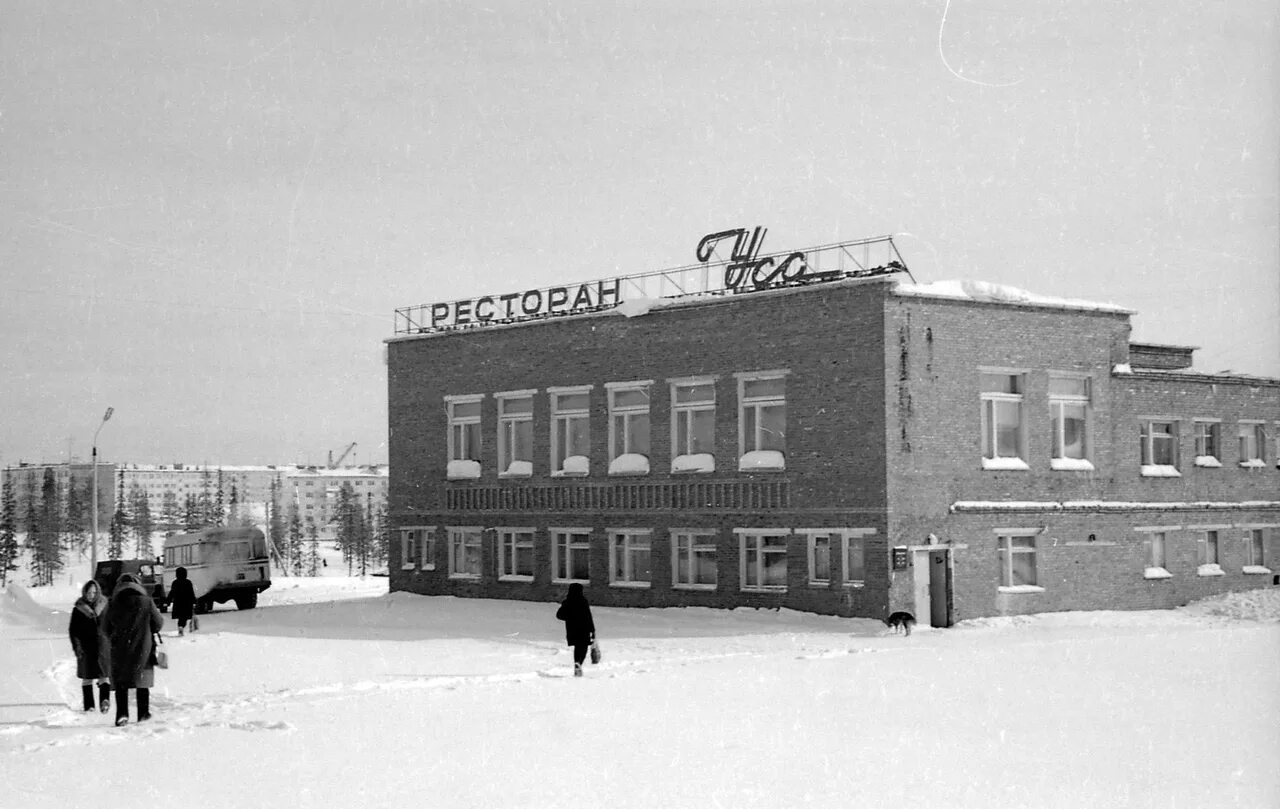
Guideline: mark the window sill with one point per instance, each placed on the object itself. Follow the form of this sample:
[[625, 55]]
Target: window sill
[[1159, 471], [631, 585], [1070, 465], [854, 585], [613, 474], [509, 475], [465, 576], [560, 473], [1210, 570], [823, 583], [409, 567], [1257, 570], [524, 579], [1021, 588], [705, 587], [1253, 463], [1156, 573], [1208, 462], [571, 581], [780, 588], [1005, 465]]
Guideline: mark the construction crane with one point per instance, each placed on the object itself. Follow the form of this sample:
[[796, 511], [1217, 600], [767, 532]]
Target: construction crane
[[334, 464]]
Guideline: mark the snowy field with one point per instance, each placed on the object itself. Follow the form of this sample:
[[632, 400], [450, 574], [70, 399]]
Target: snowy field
[[335, 694]]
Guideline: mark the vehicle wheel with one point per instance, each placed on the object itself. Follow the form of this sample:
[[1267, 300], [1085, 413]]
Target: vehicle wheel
[[247, 602]]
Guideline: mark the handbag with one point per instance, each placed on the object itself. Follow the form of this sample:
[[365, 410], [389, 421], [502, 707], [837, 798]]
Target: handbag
[[595, 652], [159, 657]]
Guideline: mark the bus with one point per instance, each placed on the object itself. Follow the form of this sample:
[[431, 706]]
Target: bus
[[223, 564]]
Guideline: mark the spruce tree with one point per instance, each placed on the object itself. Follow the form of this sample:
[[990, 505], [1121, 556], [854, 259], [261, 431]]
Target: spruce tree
[[143, 522], [48, 536], [119, 530], [77, 523], [276, 526], [191, 513], [313, 548], [219, 503], [8, 531], [295, 549], [233, 506], [206, 499], [34, 556]]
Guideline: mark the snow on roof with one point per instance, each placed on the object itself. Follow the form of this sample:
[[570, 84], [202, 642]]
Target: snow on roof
[[986, 292]]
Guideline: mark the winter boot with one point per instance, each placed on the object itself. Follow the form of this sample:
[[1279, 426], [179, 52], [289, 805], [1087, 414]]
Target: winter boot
[[87, 690], [182, 630], [144, 704], [122, 706], [577, 669], [104, 697]]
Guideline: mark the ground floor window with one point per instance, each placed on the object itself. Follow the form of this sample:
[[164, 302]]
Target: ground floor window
[[629, 557], [693, 559], [1017, 553], [464, 553], [763, 559], [1254, 551], [570, 549], [417, 547], [1157, 554], [515, 554]]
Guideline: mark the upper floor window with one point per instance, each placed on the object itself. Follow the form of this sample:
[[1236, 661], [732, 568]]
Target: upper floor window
[[1252, 439], [570, 431], [693, 425], [1002, 422], [1208, 443], [628, 428], [629, 558], [1069, 410], [515, 554], [693, 559], [464, 436], [1159, 450], [762, 420], [515, 433], [464, 552]]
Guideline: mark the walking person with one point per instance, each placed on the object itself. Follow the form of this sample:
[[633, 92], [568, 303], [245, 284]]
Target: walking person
[[93, 658], [182, 601], [130, 621], [579, 629]]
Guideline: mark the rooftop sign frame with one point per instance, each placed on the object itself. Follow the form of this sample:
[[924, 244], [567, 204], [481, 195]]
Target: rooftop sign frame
[[745, 270]]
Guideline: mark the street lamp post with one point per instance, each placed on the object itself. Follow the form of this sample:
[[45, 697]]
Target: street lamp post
[[93, 546]]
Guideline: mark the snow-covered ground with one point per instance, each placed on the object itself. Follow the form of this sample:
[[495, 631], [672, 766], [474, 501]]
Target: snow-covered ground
[[335, 694]]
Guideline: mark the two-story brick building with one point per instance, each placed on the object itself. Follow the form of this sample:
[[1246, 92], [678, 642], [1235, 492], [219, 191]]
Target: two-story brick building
[[839, 440]]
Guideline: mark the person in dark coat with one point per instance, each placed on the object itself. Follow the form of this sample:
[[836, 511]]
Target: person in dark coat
[[579, 629], [182, 601], [93, 658], [130, 622]]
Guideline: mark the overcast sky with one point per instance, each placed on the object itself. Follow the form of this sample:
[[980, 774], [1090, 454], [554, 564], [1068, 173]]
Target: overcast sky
[[209, 212]]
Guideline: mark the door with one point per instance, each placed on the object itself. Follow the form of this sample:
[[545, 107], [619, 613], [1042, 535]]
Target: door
[[939, 588]]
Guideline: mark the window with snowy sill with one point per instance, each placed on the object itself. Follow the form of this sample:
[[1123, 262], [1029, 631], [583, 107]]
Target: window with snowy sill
[[1070, 464], [463, 470], [630, 463], [762, 460], [1159, 471], [1005, 464], [575, 466], [697, 462]]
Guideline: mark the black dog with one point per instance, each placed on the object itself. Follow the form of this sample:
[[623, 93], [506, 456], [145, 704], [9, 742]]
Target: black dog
[[901, 620]]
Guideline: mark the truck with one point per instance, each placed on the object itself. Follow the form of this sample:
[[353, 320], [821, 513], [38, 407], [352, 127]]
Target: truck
[[148, 572], [223, 563]]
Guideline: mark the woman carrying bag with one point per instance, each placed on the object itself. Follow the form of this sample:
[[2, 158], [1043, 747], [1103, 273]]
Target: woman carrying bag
[[579, 628], [131, 622]]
